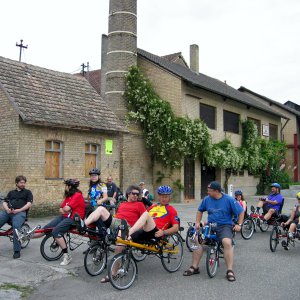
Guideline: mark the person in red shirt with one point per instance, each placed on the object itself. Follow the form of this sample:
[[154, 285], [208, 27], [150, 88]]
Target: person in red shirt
[[160, 219], [71, 205], [129, 211]]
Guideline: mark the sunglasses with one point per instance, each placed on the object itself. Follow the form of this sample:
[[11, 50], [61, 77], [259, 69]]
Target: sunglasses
[[135, 194]]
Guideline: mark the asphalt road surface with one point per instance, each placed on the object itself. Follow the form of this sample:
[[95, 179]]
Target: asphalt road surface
[[259, 273]]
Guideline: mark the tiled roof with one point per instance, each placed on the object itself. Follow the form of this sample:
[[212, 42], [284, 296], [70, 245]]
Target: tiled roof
[[176, 58], [208, 83], [51, 98], [270, 101], [94, 78]]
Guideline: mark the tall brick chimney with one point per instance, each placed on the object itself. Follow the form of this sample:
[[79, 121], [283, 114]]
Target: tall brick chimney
[[194, 58], [121, 51]]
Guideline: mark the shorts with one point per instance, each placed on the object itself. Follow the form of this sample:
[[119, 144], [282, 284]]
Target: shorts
[[224, 231], [144, 236], [266, 208]]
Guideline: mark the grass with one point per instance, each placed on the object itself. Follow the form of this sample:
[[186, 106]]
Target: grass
[[24, 290]]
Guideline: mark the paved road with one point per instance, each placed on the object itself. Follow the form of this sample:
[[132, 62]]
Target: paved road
[[259, 272]]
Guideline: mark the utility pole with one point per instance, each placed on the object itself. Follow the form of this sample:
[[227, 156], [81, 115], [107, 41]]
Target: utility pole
[[83, 68], [21, 47]]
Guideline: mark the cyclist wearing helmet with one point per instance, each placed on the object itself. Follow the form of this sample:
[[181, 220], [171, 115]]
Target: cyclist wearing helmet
[[97, 193], [71, 205], [294, 220], [240, 199], [272, 204], [220, 208], [160, 219]]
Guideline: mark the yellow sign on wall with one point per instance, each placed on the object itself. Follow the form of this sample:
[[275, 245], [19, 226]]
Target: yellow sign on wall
[[108, 147]]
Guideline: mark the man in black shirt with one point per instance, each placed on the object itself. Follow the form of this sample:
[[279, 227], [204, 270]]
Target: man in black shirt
[[112, 188], [16, 205]]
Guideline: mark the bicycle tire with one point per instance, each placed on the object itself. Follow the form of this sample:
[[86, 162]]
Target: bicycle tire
[[125, 271], [274, 240], [212, 260], [50, 249], [247, 229], [95, 260], [263, 226], [138, 255], [172, 254], [188, 239], [24, 229]]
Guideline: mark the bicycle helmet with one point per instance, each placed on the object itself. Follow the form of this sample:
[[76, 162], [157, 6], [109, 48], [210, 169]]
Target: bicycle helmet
[[298, 196], [72, 182], [94, 171], [238, 192], [164, 190], [275, 184]]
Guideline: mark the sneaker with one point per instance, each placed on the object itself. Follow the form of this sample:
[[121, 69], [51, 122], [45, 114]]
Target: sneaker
[[291, 235], [66, 259], [81, 227], [17, 254]]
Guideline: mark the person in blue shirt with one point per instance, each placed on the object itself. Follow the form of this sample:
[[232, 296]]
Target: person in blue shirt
[[272, 204], [220, 208]]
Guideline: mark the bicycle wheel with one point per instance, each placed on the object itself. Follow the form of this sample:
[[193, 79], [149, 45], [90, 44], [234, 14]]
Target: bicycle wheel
[[247, 229], [172, 253], [188, 239], [274, 239], [95, 260], [24, 229], [263, 226], [50, 249], [138, 255], [122, 271], [212, 260]]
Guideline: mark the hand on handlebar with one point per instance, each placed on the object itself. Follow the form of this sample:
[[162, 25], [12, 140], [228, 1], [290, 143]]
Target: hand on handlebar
[[237, 227]]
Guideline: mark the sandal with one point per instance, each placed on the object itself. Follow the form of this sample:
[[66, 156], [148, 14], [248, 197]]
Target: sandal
[[230, 275], [191, 271], [105, 279]]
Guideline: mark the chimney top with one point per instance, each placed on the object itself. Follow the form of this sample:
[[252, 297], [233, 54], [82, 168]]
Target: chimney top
[[194, 58]]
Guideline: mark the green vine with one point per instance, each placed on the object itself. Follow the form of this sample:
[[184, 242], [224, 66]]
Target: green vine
[[173, 138]]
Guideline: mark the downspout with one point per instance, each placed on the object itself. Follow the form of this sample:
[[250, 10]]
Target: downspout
[[281, 130]]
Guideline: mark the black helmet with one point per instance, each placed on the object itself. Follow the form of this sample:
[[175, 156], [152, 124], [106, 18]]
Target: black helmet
[[94, 171], [72, 182]]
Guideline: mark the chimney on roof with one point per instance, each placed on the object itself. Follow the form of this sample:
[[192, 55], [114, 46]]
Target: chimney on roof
[[194, 58]]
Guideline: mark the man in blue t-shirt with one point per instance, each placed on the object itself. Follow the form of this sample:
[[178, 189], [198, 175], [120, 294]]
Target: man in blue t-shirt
[[220, 208], [272, 204]]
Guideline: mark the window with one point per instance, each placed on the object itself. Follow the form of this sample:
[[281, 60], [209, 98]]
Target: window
[[208, 115], [258, 125], [273, 131], [231, 121], [91, 157], [53, 159]]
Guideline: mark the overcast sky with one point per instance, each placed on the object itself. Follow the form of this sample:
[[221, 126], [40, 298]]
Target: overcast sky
[[251, 43]]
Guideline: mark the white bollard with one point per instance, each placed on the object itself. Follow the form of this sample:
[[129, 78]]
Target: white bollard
[[230, 190]]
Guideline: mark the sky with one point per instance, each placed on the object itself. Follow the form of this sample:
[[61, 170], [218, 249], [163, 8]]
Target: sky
[[250, 43]]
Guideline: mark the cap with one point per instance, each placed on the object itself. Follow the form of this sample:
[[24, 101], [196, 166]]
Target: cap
[[142, 183], [214, 185]]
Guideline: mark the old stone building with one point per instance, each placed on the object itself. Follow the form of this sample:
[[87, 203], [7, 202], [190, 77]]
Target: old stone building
[[53, 126], [189, 92]]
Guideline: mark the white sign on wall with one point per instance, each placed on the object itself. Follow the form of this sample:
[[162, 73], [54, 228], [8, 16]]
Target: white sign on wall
[[265, 130]]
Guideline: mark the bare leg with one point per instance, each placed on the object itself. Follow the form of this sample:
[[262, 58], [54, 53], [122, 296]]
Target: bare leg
[[260, 204], [145, 221], [61, 242], [100, 213], [292, 227], [269, 214], [228, 252], [37, 235]]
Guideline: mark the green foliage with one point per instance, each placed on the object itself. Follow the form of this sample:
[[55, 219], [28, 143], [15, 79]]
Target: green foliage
[[173, 138]]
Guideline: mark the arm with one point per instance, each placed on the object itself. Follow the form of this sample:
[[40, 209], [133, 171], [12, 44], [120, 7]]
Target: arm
[[103, 199], [237, 227], [5, 206], [271, 202], [65, 210], [198, 219], [24, 208]]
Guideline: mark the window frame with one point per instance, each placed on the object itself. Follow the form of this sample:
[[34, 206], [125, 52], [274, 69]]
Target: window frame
[[238, 121], [60, 151], [215, 113], [90, 152]]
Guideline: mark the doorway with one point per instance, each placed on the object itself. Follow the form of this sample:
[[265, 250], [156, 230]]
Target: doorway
[[208, 174]]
